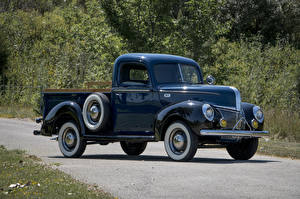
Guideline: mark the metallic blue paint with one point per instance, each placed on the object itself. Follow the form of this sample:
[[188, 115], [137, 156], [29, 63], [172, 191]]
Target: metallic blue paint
[[134, 111], [214, 95]]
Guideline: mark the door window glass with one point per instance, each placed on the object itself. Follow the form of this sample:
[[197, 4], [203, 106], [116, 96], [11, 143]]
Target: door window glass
[[134, 74]]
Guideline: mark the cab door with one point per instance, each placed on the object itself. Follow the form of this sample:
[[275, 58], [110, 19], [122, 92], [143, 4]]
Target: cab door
[[135, 102]]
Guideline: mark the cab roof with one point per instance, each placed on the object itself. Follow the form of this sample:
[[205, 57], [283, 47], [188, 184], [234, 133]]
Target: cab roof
[[154, 58]]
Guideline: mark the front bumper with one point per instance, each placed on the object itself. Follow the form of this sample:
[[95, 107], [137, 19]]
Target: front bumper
[[237, 133]]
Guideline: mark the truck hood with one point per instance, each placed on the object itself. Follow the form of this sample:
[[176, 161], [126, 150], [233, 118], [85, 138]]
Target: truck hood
[[219, 96]]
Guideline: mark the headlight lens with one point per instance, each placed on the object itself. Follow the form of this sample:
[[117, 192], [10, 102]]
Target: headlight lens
[[208, 112], [258, 114]]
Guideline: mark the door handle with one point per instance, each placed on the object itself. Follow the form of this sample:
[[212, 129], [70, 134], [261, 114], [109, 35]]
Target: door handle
[[119, 96]]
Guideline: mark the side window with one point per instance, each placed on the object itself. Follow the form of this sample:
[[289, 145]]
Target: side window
[[133, 74]]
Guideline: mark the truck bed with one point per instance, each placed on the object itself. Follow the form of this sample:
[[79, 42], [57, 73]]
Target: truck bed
[[52, 97]]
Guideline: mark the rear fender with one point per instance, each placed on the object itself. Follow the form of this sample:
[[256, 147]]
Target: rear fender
[[68, 107]]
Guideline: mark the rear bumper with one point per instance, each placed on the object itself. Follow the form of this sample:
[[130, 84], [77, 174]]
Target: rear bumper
[[237, 133]]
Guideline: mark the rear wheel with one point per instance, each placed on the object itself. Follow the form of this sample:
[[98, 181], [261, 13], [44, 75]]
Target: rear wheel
[[243, 150], [133, 148], [70, 143], [180, 142]]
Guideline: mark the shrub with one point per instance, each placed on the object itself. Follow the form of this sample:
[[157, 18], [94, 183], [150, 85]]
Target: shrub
[[265, 75]]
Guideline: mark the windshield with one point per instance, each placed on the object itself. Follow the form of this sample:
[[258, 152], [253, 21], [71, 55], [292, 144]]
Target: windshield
[[177, 73]]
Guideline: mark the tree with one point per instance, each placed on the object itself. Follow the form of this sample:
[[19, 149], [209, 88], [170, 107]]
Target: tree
[[177, 27], [273, 19]]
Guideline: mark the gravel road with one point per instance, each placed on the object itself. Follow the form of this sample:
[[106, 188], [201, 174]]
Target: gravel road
[[211, 174]]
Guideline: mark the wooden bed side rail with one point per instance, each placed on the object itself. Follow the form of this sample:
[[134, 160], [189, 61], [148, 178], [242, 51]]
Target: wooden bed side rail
[[104, 87], [76, 90]]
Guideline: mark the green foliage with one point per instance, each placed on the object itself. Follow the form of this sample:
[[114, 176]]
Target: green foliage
[[272, 19], [177, 27], [63, 44], [61, 49], [265, 75]]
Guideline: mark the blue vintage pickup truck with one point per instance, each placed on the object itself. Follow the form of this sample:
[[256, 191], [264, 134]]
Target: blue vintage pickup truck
[[154, 97]]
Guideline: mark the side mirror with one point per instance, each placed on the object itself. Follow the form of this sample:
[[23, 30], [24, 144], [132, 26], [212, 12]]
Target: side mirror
[[210, 80]]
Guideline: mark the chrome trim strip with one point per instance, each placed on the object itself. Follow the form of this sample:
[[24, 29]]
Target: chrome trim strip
[[227, 108], [237, 98], [238, 123], [131, 90], [185, 91], [238, 133]]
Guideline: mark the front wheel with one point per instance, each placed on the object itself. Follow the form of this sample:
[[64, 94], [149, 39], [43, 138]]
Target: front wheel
[[180, 142], [133, 148], [70, 143], [243, 150]]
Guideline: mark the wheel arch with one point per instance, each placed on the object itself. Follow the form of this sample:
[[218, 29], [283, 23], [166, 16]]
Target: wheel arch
[[62, 112], [189, 112], [168, 121]]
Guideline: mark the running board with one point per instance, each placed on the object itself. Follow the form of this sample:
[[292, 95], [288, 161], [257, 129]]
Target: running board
[[118, 138]]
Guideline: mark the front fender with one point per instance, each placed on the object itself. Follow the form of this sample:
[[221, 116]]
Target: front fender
[[248, 110], [67, 107], [189, 111]]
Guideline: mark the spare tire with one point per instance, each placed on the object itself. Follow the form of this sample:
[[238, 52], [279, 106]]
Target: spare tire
[[96, 112]]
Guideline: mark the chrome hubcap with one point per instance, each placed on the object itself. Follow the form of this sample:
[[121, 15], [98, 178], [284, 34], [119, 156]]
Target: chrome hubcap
[[70, 139], [94, 112], [178, 142]]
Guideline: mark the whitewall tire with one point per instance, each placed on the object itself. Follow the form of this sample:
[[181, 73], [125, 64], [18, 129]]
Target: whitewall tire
[[180, 142], [70, 143]]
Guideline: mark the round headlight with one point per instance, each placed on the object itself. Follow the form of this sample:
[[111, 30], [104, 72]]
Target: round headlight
[[208, 112], [258, 114]]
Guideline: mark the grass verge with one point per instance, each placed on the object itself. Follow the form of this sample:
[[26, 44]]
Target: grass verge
[[39, 181], [15, 111], [279, 148]]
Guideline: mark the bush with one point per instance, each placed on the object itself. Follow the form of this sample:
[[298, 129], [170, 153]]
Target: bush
[[265, 75]]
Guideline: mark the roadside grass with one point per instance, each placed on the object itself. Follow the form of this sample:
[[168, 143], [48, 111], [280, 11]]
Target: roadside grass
[[37, 180], [279, 148], [283, 124], [17, 111]]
